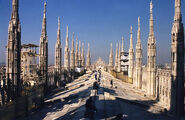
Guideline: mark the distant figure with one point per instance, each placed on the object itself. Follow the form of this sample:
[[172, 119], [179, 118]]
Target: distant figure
[[95, 85], [90, 108], [111, 83], [95, 75]]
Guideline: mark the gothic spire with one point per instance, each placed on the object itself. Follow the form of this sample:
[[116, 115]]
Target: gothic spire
[[139, 32], [88, 51], [178, 16], [111, 51], [151, 20], [72, 48], [58, 32], [83, 57], [67, 37], [116, 57], [15, 14], [44, 33], [76, 45], [111, 57], [131, 38], [88, 57], [15, 9], [76, 53], [122, 48]]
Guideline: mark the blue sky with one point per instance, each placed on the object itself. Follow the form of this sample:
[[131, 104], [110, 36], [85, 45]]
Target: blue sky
[[98, 22]]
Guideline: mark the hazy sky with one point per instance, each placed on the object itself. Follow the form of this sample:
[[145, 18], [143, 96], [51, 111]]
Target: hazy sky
[[98, 22]]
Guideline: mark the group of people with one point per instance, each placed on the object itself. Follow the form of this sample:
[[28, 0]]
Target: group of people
[[90, 103], [97, 75]]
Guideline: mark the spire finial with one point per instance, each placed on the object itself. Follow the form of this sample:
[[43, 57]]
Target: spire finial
[[131, 39], [139, 32], [151, 6], [44, 21], [15, 9], [122, 49], [58, 22], [67, 37], [44, 9], [58, 32], [178, 15], [151, 19], [73, 37], [67, 31]]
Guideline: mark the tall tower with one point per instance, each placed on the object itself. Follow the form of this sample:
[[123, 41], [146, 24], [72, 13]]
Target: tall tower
[[14, 53], [177, 62], [79, 55], [88, 63], [122, 47], [43, 58], [111, 64], [66, 54], [138, 78], [72, 59], [83, 57], [131, 58], [116, 58], [76, 53], [58, 55], [119, 58], [151, 58]]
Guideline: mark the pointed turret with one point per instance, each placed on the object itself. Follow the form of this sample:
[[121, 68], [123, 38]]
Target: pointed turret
[[111, 64], [14, 54], [119, 58], [72, 59], [88, 64], [79, 55], [43, 58], [83, 57], [66, 54], [58, 56], [151, 58], [122, 47], [59, 32], [177, 62], [44, 32], [76, 53], [138, 77], [116, 58], [131, 58], [15, 13]]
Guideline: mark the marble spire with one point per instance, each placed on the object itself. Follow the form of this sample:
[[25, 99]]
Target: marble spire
[[131, 58], [72, 59], [138, 74], [66, 54], [119, 58], [58, 56], [14, 54], [88, 63], [116, 58], [83, 56], [43, 58], [76, 53], [151, 58], [122, 47], [79, 55], [111, 64], [177, 62]]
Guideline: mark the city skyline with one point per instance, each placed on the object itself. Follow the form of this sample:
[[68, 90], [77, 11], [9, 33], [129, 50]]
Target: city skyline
[[94, 25]]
